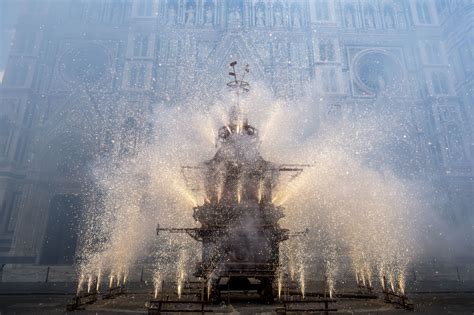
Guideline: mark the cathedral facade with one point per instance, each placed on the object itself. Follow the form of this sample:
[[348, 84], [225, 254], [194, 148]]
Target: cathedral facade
[[84, 76]]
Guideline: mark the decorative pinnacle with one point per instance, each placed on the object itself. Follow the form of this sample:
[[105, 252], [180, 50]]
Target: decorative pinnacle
[[239, 84]]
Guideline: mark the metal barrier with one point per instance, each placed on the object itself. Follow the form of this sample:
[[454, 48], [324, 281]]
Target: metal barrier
[[365, 288], [82, 300], [287, 306], [156, 307], [113, 292], [398, 299]]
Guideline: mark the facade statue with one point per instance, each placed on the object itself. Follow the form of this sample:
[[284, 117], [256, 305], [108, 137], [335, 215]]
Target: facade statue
[[296, 18], [389, 18], [322, 10], [401, 20], [278, 16], [208, 15], [234, 16], [349, 17], [369, 18], [260, 17], [116, 12], [189, 20], [94, 13], [171, 16]]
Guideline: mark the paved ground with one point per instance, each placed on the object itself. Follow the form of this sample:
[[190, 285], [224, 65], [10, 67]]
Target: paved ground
[[453, 303], [51, 298]]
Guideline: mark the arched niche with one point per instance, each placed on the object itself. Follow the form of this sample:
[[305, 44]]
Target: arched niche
[[65, 163]]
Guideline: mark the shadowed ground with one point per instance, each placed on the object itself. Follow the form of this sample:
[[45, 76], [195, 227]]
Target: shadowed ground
[[51, 298]]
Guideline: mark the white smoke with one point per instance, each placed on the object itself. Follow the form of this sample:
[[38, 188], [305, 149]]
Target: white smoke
[[352, 200]]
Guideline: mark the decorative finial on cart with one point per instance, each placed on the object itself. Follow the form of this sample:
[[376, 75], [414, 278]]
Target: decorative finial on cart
[[236, 83]]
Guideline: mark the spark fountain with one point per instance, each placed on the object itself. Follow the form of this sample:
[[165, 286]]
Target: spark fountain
[[355, 218], [239, 231]]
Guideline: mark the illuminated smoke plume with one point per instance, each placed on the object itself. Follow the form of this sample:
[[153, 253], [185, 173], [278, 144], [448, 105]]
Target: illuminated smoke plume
[[357, 208]]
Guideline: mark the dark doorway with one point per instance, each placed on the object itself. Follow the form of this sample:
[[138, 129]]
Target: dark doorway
[[59, 244]]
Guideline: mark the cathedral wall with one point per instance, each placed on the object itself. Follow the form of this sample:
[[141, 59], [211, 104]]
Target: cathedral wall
[[79, 67]]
